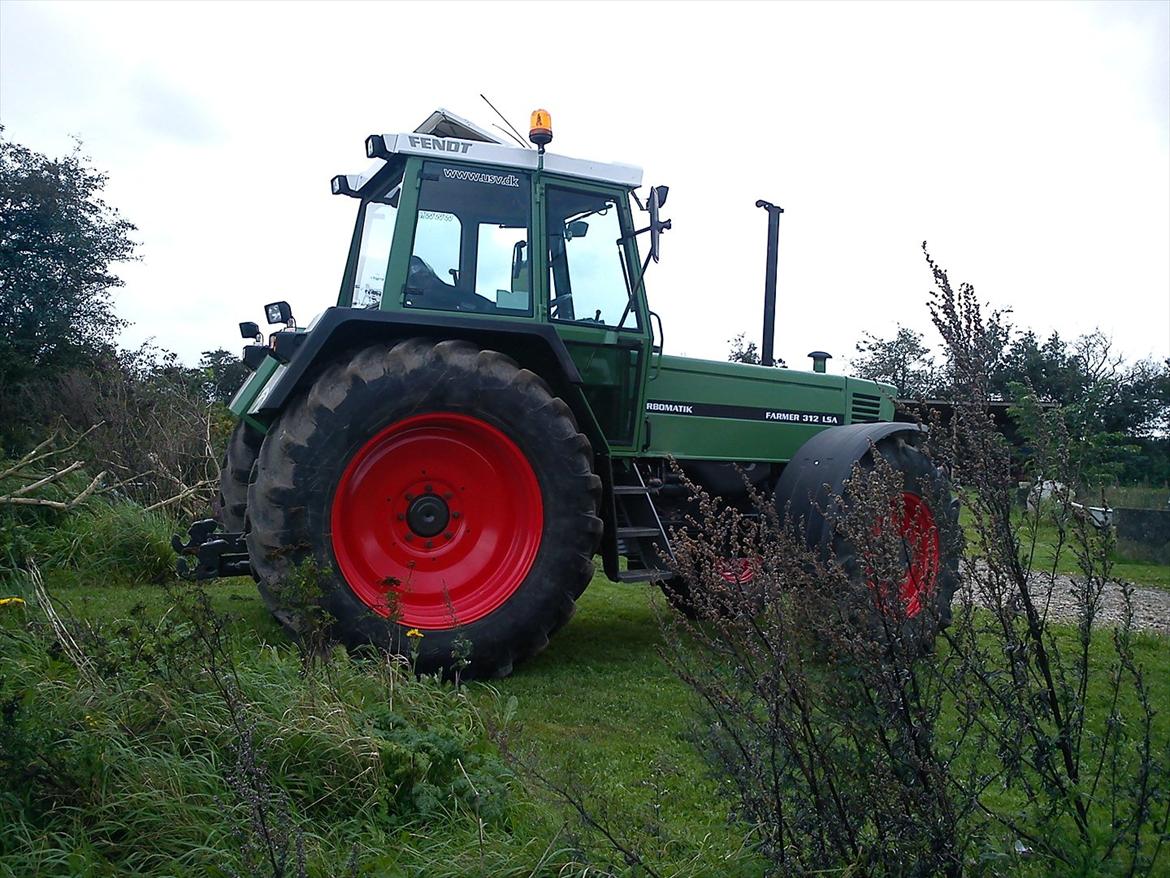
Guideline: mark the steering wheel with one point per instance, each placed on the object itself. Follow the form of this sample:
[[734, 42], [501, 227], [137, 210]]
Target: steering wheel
[[441, 295]]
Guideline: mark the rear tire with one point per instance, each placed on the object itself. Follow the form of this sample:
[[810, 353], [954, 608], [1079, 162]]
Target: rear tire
[[929, 529], [436, 487]]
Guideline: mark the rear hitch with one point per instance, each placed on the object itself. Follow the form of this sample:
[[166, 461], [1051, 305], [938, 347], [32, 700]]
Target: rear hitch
[[216, 554]]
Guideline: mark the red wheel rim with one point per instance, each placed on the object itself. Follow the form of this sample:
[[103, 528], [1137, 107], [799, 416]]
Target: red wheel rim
[[920, 538], [437, 520], [736, 571]]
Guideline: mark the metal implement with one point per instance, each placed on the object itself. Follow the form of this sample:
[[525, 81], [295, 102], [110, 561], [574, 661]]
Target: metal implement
[[216, 553]]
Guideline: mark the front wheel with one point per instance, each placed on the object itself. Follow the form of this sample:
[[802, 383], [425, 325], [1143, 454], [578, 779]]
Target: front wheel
[[231, 503], [429, 487]]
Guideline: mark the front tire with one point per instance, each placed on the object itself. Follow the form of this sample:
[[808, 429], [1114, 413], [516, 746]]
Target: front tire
[[231, 504], [436, 487]]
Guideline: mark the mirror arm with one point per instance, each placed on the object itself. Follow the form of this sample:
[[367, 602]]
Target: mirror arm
[[635, 290], [633, 235]]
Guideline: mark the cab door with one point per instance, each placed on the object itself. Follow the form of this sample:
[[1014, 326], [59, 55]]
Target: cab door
[[588, 266]]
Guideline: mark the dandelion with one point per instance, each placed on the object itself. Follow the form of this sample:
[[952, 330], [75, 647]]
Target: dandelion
[[16, 602], [414, 632]]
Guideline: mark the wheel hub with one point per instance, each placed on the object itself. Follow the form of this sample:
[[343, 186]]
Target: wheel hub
[[428, 515]]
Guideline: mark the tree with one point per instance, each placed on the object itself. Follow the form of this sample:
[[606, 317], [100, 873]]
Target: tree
[[58, 241], [748, 352], [1049, 369], [223, 374], [903, 361]]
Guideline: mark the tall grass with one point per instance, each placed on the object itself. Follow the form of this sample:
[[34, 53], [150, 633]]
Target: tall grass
[[113, 539], [106, 539], [144, 746], [1136, 496]]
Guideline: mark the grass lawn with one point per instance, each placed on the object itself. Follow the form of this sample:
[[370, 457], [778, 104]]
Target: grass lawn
[[599, 708], [1047, 542], [1141, 572]]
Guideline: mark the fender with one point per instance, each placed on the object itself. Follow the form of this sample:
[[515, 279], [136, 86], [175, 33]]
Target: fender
[[818, 470], [535, 346]]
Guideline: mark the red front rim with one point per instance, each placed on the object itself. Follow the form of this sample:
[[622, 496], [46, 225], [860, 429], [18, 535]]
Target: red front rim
[[920, 539], [437, 520]]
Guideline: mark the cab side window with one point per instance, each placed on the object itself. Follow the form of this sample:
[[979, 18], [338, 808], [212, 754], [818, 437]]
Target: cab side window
[[588, 281], [470, 250]]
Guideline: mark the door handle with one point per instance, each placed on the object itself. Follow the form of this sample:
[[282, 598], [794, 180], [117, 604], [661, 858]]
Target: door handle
[[658, 349]]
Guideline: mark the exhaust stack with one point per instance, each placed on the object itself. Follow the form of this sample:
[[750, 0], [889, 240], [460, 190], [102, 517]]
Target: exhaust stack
[[766, 357]]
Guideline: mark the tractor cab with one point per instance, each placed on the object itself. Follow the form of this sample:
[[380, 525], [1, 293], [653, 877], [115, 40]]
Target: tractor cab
[[454, 220], [449, 214]]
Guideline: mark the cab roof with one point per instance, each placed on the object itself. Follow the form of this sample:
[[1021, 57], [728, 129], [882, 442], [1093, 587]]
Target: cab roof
[[446, 135]]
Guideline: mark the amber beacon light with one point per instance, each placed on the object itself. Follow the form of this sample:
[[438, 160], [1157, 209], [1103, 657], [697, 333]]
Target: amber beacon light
[[540, 128]]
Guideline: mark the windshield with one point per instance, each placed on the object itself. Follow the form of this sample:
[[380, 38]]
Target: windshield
[[377, 231]]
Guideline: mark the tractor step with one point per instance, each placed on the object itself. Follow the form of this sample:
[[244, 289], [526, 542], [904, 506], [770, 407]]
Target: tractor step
[[638, 533], [643, 575], [216, 553], [632, 489]]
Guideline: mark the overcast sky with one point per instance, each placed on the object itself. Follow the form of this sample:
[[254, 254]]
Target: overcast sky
[[1029, 143]]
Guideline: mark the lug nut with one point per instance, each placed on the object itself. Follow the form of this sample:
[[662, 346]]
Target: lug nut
[[448, 495], [401, 517], [409, 497], [429, 489], [456, 514], [448, 535], [410, 538], [430, 544]]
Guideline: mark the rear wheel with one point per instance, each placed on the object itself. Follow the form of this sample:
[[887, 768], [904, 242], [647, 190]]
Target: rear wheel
[[436, 487], [924, 517]]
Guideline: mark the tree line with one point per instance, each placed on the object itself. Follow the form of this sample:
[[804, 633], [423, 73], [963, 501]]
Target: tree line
[[1117, 412], [61, 367]]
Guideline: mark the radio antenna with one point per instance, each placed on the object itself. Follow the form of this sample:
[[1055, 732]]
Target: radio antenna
[[513, 133], [513, 136]]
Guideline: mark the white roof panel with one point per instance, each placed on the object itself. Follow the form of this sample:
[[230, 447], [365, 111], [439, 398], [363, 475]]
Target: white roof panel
[[445, 134], [511, 156], [444, 123]]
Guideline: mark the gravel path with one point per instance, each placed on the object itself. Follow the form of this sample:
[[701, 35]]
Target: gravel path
[[1151, 605]]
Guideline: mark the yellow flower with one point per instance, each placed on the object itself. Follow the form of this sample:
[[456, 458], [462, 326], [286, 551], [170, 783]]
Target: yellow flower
[[414, 632], [4, 602]]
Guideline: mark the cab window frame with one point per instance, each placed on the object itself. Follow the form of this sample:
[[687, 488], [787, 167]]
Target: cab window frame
[[390, 177], [627, 246], [419, 172]]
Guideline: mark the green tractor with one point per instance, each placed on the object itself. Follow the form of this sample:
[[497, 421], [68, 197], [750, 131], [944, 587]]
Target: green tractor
[[488, 407]]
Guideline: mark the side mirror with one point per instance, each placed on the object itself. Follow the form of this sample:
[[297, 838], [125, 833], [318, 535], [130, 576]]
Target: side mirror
[[657, 226], [278, 312], [518, 258], [249, 330], [576, 229]]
